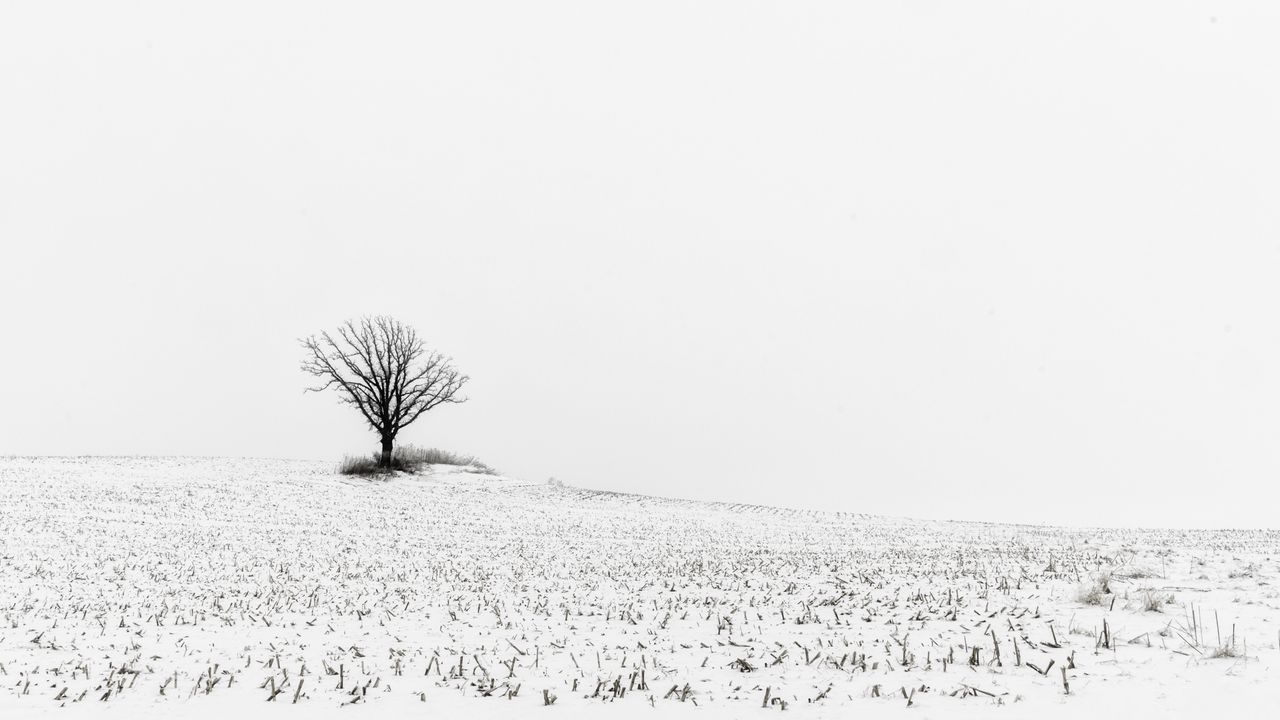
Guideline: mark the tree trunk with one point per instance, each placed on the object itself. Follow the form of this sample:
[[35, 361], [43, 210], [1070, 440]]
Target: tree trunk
[[385, 460]]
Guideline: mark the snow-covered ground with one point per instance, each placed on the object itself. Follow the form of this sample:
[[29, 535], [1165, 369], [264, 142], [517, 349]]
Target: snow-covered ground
[[146, 587]]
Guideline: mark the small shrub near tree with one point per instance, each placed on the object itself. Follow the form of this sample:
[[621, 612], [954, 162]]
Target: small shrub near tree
[[411, 459]]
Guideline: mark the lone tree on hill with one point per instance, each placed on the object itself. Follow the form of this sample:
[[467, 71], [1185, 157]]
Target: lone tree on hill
[[382, 368]]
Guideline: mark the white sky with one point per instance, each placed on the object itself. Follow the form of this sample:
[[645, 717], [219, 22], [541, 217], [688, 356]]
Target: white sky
[[1008, 261]]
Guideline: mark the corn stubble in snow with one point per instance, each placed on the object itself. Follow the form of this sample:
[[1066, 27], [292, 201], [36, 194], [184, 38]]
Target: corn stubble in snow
[[203, 587]]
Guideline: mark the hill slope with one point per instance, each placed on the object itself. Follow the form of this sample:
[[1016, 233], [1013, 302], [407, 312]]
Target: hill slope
[[207, 586]]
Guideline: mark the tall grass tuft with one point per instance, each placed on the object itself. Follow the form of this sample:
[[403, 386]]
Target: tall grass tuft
[[1155, 602], [415, 457], [1094, 590], [359, 465], [412, 459]]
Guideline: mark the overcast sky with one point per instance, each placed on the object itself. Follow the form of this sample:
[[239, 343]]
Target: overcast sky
[[1014, 261]]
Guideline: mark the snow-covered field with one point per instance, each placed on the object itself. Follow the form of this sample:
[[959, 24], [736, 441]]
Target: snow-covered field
[[146, 587]]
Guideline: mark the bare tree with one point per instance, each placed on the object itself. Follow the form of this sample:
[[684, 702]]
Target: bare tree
[[382, 368]]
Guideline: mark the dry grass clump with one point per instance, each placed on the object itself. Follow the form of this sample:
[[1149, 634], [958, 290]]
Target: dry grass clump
[[1093, 590], [1242, 573], [1155, 602], [411, 459], [359, 465], [1225, 651]]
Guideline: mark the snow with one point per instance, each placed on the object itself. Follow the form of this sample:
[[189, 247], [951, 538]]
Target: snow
[[163, 587]]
